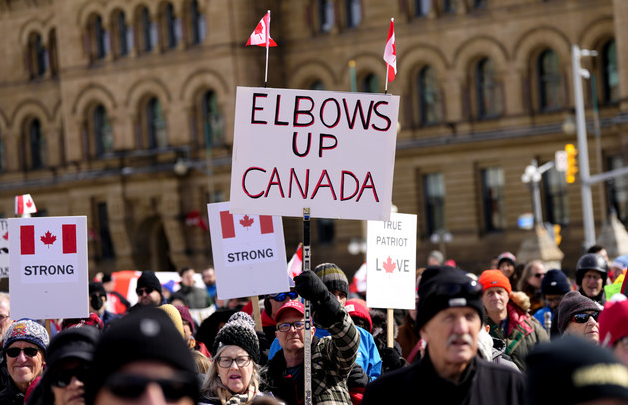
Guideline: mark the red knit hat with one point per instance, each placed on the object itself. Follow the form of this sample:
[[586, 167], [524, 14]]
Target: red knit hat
[[494, 278], [613, 322], [356, 308]]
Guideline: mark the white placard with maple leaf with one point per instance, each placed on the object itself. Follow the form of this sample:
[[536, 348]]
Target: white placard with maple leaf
[[48, 267], [249, 253], [391, 262], [4, 248], [333, 152]]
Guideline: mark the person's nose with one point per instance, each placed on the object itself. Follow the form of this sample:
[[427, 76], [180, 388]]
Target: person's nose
[[461, 325], [153, 395]]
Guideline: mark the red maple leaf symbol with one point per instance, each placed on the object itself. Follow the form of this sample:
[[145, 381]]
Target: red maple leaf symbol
[[247, 221], [29, 203], [6, 236], [389, 266], [48, 239]]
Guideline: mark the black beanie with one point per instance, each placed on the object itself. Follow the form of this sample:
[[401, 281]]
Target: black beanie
[[333, 277], [443, 287], [239, 331], [573, 303], [95, 286], [150, 280], [571, 370], [145, 334], [555, 283]]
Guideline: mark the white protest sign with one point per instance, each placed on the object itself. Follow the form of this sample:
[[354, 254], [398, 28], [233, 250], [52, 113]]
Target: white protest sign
[[333, 152], [249, 253], [48, 267], [391, 262], [4, 248]]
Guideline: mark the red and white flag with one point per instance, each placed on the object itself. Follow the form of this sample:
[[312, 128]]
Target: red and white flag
[[295, 265], [390, 53], [232, 226], [261, 35], [24, 204]]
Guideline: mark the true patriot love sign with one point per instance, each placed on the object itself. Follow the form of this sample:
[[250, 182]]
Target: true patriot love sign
[[48, 267], [330, 151]]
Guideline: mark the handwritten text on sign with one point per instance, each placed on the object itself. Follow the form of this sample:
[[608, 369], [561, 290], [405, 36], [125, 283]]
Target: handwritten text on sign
[[391, 262], [333, 152]]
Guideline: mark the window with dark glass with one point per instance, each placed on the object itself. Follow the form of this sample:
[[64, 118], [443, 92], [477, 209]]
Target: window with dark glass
[[480, 3], [370, 84], [317, 85], [422, 7], [2, 158], [197, 23], [326, 230], [37, 56], [155, 125], [123, 34], [104, 234], [493, 199], [326, 15], [149, 30], [213, 124], [610, 74], [556, 203], [101, 38], [37, 145], [618, 189], [429, 97], [487, 89], [434, 195], [449, 6], [550, 81], [103, 135], [353, 10], [53, 56], [172, 26]]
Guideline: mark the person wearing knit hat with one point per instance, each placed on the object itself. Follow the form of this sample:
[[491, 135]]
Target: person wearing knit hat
[[23, 348], [506, 262], [142, 356], [233, 376], [571, 371], [507, 320], [98, 302], [449, 318], [577, 315], [553, 288], [334, 279], [148, 290], [175, 316], [614, 327]]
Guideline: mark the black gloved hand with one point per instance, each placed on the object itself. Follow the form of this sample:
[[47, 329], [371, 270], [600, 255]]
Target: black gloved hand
[[327, 309], [391, 360]]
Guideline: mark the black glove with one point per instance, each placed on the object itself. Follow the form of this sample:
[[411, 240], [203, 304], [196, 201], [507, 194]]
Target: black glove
[[327, 309], [391, 360]]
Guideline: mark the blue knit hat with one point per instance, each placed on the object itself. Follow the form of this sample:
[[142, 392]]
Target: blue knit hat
[[29, 331], [555, 283]]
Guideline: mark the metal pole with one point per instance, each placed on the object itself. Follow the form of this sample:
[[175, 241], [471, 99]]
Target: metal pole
[[536, 196], [598, 145], [583, 153]]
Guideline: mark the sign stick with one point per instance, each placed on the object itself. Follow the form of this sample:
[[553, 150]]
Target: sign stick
[[256, 314], [386, 86], [390, 331], [267, 46], [307, 389]]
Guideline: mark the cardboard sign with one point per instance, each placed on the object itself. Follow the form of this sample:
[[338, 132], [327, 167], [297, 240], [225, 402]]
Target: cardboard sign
[[332, 152], [48, 267], [249, 253], [4, 248], [391, 262]]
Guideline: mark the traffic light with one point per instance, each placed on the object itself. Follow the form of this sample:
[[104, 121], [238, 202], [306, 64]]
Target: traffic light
[[572, 163], [557, 236]]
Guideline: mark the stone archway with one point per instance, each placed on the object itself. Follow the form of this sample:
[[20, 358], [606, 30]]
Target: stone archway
[[151, 250]]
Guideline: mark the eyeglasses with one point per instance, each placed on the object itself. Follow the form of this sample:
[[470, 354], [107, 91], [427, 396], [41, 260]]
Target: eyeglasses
[[131, 387], [584, 318], [281, 297], [142, 291], [240, 361], [13, 352], [539, 275], [63, 378], [285, 327]]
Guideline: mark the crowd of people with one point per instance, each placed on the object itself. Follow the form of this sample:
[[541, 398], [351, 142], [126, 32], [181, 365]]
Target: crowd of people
[[514, 333]]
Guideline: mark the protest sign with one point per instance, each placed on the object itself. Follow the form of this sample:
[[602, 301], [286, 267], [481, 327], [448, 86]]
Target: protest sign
[[333, 152], [391, 262], [48, 267], [4, 248], [249, 253]]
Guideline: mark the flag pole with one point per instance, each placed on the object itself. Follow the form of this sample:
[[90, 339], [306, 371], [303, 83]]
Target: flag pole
[[267, 46], [386, 86]]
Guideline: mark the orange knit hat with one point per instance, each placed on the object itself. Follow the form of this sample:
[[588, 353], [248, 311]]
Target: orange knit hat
[[494, 278]]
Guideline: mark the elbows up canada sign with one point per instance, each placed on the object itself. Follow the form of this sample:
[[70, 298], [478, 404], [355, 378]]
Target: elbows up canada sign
[[333, 152]]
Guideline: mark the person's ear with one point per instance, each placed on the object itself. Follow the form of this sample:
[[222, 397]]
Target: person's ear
[[191, 343]]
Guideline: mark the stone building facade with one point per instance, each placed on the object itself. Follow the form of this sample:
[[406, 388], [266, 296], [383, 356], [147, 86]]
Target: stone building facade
[[123, 111]]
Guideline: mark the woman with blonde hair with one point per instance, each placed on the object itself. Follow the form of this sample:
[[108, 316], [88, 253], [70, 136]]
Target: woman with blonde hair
[[233, 376], [530, 283]]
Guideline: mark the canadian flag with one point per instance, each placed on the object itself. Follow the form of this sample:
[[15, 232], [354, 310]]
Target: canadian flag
[[261, 35], [194, 218], [390, 53], [24, 204], [295, 265], [358, 284], [229, 228], [33, 241]]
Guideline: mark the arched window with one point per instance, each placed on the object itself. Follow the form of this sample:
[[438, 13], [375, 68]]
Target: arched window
[[478, 4], [487, 89], [449, 6], [3, 163], [173, 31], [610, 74], [102, 133], [353, 10], [148, 29], [429, 97], [36, 145], [422, 7], [101, 38], [155, 125], [123, 35], [197, 23], [37, 56], [317, 85], [326, 15], [212, 119], [550, 81], [370, 84], [53, 56]]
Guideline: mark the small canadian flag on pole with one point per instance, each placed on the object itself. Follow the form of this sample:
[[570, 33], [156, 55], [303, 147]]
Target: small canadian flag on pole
[[295, 266], [261, 35], [390, 54], [24, 205]]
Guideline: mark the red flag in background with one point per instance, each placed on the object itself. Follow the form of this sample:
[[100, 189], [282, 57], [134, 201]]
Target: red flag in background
[[390, 53], [295, 265], [24, 204], [261, 35]]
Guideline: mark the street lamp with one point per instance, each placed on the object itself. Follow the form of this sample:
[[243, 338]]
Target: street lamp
[[441, 237], [533, 175]]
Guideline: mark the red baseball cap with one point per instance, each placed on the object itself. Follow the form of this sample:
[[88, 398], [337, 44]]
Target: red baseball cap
[[290, 305]]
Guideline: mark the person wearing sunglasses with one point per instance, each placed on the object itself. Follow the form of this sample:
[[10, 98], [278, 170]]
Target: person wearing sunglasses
[[23, 347], [142, 359], [148, 291], [530, 283], [577, 315], [272, 303], [233, 376], [507, 319], [68, 357]]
